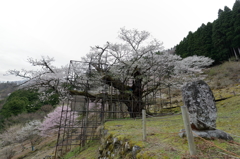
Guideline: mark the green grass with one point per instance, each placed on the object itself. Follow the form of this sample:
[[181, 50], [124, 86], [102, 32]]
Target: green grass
[[88, 152], [72, 153], [162, 133], [163, 141]]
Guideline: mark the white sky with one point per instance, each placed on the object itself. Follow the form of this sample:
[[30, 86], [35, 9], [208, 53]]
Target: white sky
[[65, 29]]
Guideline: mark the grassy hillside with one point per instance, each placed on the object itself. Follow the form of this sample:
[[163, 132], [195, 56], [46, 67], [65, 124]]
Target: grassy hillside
[[162, 132], [5, 90]]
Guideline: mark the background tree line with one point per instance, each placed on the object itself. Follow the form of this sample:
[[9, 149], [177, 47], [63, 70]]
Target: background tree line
[[25, 101], [218, 40]]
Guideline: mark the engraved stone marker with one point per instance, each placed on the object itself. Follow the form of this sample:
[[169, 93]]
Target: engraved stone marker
[[199, 99]]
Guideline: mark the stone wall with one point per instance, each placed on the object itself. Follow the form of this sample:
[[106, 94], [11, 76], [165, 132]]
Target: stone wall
[[117, 147]]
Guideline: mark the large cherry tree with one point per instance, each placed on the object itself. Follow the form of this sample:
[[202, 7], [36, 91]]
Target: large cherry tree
[[136, 66]]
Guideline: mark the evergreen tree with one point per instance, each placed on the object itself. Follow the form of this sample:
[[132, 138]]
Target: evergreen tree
[[236, 27], [14, 107], [219, 40], [27, 101], [222, 29]]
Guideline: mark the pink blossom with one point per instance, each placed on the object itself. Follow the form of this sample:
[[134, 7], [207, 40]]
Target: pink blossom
[[61, 115]]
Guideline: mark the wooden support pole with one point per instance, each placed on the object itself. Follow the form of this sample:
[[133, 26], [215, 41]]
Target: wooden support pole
[[190, 138], [144, 124]]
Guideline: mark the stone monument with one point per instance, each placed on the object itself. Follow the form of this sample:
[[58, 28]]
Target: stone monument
[[199, 99]]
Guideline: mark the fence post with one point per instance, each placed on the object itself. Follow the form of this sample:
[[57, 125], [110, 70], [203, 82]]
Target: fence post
[[144, 124], [191, 144]]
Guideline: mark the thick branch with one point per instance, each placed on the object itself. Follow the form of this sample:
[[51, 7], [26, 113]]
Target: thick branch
[[86, 94], [116, 83], [103, 96]]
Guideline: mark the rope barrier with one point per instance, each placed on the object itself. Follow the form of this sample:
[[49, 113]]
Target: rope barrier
[[164, 119], [227, 154], [212, 144], [168, 133], [167, 116], [236, 143], [172, 125]]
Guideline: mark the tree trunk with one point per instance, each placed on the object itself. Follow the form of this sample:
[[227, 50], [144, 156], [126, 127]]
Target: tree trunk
[[235, 54], [135, 107], [136, 103]]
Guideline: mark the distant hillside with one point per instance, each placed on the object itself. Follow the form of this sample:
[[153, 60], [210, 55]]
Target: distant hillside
[[5, 90], [219, 40]]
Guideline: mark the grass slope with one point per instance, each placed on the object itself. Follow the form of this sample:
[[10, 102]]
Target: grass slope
[[163, 140], [162, 132]]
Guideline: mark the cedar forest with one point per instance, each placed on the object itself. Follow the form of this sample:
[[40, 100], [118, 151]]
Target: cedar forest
[[218, 40]]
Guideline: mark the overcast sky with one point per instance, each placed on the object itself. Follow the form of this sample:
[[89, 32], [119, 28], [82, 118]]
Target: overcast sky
[[65, 29]]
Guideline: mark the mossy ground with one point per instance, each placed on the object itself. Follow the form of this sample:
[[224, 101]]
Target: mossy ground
[[88, 152], [162, 134], [163, 141]]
